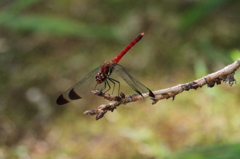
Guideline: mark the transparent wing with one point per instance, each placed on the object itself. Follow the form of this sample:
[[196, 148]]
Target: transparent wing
[[130, 80], [76, 91]]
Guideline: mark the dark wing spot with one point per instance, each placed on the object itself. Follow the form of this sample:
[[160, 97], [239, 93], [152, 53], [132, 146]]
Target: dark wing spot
[[151, 94], [61, 100], [73, 95]]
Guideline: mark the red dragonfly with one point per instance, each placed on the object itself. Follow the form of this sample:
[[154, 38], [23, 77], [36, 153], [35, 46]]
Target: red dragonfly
[[102, 75]]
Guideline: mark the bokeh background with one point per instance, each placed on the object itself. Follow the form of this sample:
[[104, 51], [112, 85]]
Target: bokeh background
[[46, 46]]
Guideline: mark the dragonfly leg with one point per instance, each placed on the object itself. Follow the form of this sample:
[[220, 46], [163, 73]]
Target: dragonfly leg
[[104, 86], [95, 86], [113, 84], [106, 83], [113, 81]]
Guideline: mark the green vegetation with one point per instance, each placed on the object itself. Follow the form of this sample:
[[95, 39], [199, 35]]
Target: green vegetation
[[47, 46]]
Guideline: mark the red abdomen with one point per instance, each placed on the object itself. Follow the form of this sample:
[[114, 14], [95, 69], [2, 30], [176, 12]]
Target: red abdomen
[[119, 56]]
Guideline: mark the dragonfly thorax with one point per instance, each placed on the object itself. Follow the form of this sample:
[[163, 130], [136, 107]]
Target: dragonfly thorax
[[100, 77]]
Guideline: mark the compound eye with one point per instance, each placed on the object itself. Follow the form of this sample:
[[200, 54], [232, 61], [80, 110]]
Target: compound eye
[[100, 77], [103, 77]]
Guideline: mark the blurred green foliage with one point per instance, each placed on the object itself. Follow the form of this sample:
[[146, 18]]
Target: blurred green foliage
[[214, 152], [197, 12], [46, 46]]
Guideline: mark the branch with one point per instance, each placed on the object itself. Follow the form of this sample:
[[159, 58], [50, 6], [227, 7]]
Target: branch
[[226, 75]]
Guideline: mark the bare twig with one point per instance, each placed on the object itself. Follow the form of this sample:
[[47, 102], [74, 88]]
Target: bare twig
[[102, 109], [226, 75]]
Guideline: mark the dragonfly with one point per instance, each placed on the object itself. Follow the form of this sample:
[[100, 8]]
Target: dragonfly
[[102, 75]]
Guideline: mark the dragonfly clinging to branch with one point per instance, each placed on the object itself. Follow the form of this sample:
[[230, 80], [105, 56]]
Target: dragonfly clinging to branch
[[102, 75]]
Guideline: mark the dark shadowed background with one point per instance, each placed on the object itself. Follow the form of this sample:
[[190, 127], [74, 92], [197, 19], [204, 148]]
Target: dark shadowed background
[[47, 46]]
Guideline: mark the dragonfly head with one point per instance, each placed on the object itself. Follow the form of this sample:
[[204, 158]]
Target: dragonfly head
[[100, 77]]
